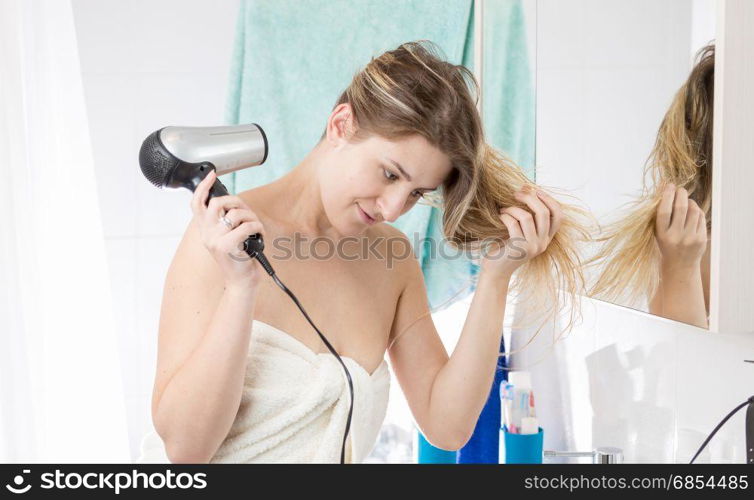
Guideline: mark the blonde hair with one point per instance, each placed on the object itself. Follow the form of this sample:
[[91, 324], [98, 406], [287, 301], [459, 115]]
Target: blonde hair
[[413, 90], [629, 259]]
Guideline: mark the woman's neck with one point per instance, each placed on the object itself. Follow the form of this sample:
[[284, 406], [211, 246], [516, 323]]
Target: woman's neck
[[297, 202]]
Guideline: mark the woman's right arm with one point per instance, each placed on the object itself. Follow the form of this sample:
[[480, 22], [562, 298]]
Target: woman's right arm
[[194, 410], [204, 332]]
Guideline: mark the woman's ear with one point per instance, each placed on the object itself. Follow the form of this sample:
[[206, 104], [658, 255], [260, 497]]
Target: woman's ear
[[341, 125]]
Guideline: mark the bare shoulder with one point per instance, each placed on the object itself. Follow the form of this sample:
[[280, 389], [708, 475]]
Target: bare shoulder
[[391, 235], [254, 198], [398, 253]]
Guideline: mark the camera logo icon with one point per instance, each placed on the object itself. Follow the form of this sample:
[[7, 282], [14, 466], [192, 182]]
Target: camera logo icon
[[18, 481]]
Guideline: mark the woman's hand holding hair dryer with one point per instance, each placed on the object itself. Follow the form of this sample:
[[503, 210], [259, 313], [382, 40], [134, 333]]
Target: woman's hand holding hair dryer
[[225, 243]]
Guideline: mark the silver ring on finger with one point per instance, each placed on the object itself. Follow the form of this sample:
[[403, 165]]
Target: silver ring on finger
[[226, 221]]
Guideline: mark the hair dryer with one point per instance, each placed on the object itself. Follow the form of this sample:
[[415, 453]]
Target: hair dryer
[[182, 156]]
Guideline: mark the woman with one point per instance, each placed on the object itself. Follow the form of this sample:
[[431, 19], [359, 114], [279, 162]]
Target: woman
[[660, 250], [231, 387]]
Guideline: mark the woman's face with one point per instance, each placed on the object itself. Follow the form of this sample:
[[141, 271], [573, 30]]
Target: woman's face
[[380, 177]]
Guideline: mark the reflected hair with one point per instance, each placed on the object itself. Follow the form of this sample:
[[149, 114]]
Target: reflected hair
[[628, 258], [413, 90]]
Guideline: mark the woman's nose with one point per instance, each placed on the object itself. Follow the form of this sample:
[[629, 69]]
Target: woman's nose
[[390, 206]]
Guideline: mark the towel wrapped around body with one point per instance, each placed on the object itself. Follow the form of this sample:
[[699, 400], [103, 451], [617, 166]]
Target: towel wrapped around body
[[294, 406]]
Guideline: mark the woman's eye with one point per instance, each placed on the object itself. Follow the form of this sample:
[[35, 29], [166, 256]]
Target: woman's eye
[[391, 176], [388, 174]]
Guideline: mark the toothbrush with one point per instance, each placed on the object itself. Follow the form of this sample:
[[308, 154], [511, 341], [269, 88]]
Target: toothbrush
[[506, 398], [532, 409], [521, 407]]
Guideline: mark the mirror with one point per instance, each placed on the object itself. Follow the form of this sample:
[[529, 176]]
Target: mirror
[[623, 108]]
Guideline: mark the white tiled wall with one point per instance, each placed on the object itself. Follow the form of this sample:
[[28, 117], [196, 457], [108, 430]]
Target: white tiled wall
[[606, 73], [146, 65], [648, 385]]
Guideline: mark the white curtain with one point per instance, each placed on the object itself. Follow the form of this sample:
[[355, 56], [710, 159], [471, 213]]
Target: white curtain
[[61, 392]]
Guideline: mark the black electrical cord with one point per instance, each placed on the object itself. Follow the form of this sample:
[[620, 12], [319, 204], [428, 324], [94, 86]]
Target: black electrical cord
[[257, 254], [749, 401]]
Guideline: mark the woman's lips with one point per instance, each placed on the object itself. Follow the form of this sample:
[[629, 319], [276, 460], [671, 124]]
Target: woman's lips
[[365, 217]]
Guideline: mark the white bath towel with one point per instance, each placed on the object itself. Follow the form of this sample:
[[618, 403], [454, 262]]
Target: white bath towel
[[294, 406]]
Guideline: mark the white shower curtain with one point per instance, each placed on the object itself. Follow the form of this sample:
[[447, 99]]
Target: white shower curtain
[[61, 394]]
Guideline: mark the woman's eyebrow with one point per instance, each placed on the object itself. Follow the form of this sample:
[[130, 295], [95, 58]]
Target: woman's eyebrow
[[405, 174]]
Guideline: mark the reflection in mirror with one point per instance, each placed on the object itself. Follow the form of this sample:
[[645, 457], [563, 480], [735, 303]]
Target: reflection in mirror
[[624, 110], [659, 246]]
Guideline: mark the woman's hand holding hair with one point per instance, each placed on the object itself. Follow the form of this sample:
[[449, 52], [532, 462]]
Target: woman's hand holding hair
[[680, 229], [681, 234], [529, 235]]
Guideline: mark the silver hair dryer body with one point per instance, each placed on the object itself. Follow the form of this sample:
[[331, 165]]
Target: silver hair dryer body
[[181, 156]]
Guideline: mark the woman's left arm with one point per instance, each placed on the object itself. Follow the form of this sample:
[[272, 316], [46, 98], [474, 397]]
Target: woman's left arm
[[462, 386], [446, 395]]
